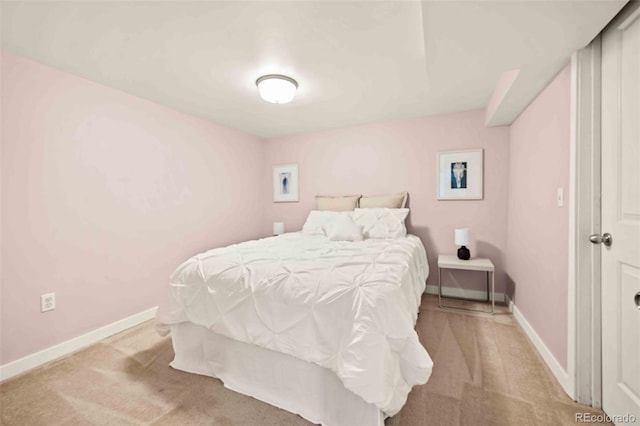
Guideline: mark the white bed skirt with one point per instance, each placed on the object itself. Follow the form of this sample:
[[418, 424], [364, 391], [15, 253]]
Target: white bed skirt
[[313, 392]]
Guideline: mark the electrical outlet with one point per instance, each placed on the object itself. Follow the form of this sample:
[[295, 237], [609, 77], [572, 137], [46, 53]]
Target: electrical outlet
[[47, 302]]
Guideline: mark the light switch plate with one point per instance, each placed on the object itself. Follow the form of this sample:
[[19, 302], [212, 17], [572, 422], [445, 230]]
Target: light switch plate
[[560, 197]]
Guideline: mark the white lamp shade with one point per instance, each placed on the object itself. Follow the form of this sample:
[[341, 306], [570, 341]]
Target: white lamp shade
[[462, 237], [277, 89], [278, 228]]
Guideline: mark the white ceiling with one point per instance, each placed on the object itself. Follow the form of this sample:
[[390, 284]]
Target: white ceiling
[[355, 62]]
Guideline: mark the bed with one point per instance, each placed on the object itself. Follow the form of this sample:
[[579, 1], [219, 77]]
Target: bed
[[321, 328]]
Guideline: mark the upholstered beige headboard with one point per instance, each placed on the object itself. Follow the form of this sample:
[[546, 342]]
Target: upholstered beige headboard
[[337, 203], [392, 201], [350, 202]]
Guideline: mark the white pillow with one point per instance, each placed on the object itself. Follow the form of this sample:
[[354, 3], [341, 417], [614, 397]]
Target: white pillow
[[343, 228], [319, 219], [382, 222]]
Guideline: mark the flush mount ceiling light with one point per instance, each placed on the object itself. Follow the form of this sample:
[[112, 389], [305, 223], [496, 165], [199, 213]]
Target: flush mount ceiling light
[[277, 89]]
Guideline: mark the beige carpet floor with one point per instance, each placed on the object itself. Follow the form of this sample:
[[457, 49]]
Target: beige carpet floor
[[486, 372]]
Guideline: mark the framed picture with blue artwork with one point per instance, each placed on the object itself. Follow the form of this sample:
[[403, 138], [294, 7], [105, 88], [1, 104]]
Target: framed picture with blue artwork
[[285, 183], [460, 175]]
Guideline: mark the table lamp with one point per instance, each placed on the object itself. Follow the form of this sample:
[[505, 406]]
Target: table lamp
[[278, 228], [462, 239]]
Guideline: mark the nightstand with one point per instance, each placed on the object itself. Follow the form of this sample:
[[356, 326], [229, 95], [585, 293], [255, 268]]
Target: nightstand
[[479, 264]]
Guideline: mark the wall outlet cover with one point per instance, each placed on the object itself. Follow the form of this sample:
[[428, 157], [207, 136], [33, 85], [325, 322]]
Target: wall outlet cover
[[47, 302]]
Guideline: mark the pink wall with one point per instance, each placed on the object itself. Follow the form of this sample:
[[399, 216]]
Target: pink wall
[[538, 230], [103, 194], [401, 156]]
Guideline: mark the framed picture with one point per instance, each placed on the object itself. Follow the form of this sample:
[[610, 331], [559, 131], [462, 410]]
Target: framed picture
[[285, 183], [460, 175]]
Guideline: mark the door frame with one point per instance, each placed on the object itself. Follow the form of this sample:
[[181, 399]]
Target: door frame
[[584, 361], [584, 355]]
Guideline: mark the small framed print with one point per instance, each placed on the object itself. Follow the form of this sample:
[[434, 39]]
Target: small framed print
[[460, 175], [285, 183]]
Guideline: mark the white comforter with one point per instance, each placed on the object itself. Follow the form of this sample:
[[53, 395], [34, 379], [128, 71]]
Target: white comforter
[[347, 306]]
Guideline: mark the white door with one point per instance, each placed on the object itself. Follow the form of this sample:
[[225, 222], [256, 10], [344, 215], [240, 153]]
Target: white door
[[621, 217]]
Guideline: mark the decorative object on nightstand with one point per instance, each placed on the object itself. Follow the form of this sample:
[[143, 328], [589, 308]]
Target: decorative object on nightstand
[[278, 228], [462, 239]]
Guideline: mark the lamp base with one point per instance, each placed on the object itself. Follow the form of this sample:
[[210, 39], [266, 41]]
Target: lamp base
[[464, 253]]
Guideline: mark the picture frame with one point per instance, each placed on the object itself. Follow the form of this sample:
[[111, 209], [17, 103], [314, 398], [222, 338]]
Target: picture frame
[[285, 183], [460, 175]]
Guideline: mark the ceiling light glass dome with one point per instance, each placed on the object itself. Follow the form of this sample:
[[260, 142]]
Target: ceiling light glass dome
[[277, 89]]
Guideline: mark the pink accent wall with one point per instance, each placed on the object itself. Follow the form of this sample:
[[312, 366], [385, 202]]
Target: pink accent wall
[[103, 195], [538, 230], [399, 156]]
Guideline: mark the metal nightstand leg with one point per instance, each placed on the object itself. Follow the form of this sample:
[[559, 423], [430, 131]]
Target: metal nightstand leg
[[439, 287], [487, 279], [492, 294]]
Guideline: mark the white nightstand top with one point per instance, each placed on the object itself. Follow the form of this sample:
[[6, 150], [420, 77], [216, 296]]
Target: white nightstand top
[[452, 262]]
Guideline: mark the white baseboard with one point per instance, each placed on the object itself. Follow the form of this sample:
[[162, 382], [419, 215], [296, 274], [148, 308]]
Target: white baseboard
[[463, 293], [65, 348], [560, 374]]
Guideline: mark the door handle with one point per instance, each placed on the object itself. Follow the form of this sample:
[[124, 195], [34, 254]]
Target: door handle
[[605, 239], [636, 300]]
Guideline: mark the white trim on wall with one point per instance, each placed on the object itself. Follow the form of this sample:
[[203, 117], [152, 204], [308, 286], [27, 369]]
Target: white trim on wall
[[560, 374], [37, 359], [584, 298], [571, 267]]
